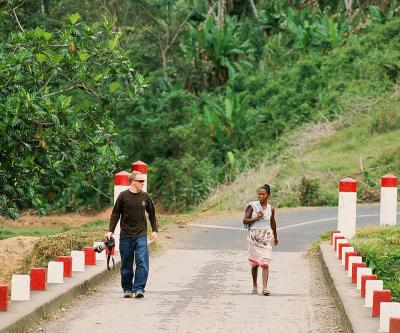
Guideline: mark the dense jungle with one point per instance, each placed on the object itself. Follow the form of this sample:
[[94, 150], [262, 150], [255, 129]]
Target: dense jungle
[[203, 91]]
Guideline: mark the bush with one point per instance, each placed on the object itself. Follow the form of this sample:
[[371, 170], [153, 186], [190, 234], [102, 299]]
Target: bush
[[309, 193], [182, 183], [50, 247]]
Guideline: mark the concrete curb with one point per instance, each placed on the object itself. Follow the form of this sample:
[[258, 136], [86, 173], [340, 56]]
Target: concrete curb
[[338, 301], [22, 315], [355, 316], [30, 316]]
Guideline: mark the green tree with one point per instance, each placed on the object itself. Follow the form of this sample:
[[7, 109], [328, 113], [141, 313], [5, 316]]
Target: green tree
[[58, 91]]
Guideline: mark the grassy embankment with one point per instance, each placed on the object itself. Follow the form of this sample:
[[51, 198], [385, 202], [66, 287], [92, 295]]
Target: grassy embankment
[[380, 249], [354, 150]]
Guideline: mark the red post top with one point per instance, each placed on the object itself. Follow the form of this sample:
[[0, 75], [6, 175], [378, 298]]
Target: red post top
[[389, 180], [347, 185], [139, 166], [121, 179]]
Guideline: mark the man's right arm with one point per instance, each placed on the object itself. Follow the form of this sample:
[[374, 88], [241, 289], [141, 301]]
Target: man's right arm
[[115, 215]]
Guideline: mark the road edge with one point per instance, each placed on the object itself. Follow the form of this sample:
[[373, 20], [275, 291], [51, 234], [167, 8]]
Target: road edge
[[338, 301], [44, 311]]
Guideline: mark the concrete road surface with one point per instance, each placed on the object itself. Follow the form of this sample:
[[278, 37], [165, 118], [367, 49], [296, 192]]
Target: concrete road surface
[[202, 283]]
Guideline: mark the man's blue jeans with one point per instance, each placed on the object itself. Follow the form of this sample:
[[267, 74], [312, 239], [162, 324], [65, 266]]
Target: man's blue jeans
[[132, 248]]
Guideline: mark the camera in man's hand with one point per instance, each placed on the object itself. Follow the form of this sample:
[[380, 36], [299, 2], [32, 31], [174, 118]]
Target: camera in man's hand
[[108, 243]]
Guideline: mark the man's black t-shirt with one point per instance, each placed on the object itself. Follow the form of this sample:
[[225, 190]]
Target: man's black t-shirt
[[131, 208]]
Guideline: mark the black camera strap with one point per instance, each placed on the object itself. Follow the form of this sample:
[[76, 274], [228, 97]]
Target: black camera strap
[[108, 258]]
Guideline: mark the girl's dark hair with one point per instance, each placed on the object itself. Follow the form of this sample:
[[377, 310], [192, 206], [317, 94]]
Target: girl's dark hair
[[266, 187]]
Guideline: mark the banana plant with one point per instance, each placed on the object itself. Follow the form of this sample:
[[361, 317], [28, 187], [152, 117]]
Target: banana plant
[[207, 42], [232, 124]]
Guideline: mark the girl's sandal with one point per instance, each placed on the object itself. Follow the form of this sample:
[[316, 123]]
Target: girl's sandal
[[254, 291], [266, 292]]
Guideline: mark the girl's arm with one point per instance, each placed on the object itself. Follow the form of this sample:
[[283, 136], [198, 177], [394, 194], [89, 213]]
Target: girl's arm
[[247, 216], [273, 226]]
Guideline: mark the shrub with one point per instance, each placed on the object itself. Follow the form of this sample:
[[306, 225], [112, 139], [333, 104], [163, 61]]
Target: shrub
[[50, 247], [380, 248], [182, 183]]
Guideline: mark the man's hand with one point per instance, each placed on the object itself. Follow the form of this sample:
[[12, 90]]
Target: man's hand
[[108, 235], [154, 236]]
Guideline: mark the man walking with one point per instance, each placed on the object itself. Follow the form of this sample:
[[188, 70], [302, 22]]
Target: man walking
[[130, 209]]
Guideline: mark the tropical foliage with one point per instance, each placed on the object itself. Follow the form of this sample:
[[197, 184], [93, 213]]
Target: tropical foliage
[[221, 82]]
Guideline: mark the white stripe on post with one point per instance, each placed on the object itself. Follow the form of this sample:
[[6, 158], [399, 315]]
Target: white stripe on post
[[141, 167], [121, 183], [347, 207], [78, 261], [388, 205], [370, 286], [388, 309], [336, 235], [340, 241], [360, 272], [353, 260], [55, 272], [20, 288], [344, 251]]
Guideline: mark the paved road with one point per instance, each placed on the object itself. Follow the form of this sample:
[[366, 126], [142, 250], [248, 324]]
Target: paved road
[[202, 283], [297, 228]]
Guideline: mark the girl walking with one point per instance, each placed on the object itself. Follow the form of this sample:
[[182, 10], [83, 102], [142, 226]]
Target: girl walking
[[259, 218]]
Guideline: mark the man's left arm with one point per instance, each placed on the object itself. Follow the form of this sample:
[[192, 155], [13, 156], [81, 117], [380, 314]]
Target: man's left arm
[[152, 217]]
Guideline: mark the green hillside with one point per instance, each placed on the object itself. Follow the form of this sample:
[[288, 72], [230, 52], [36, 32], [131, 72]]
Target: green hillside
[[307, 174]]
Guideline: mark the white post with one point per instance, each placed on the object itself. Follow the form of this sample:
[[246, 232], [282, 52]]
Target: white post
[[121, 183], [340, 241], [336, 235], [344, 251], [55, 272], [141, 167], [78, 261], [347, 207], [353, 260], [370, 286], [388, 309], [20, 288], [388, 205], [360, 272]]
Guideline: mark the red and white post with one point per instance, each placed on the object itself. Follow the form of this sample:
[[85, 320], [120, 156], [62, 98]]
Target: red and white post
[[121, 183], [347, 207], [388, 205], [141, 167]]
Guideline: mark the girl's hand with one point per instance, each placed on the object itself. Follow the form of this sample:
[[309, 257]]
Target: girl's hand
[[260, 215], [275, 242]]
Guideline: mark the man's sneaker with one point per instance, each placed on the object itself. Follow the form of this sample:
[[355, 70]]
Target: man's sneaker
[[139, 294], [128, 294]]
